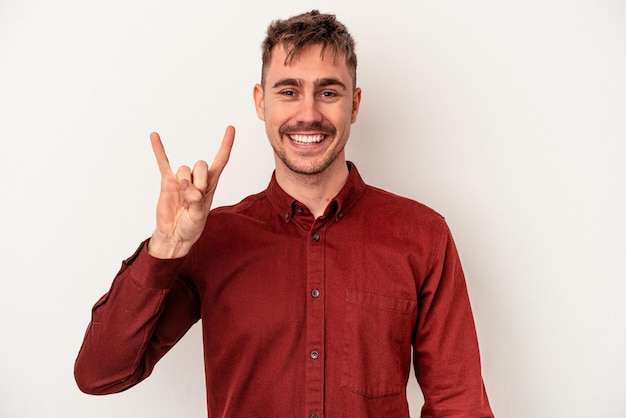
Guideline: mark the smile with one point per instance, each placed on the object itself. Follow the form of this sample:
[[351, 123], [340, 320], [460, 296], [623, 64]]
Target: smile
[[301, 139]]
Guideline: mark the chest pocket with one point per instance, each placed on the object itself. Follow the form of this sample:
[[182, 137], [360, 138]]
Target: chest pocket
[[376, 332]]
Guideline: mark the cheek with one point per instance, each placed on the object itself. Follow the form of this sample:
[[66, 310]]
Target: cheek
[[347, 118], [277, 116]]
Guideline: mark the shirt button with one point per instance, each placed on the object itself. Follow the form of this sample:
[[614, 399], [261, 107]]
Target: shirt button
[[315, 293], [314, 416], [340, 215], [315, 355], [315, 237], [299, 209]]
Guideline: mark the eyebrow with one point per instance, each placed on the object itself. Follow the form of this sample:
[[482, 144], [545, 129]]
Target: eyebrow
[[321, 82], [286, 82], [325, 82]]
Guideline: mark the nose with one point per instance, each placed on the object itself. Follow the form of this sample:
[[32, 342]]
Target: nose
[[308, 110]]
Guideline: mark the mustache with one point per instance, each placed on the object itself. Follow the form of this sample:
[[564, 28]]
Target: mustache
[[307, 127]]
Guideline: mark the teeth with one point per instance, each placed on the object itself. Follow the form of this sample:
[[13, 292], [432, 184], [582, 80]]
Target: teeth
[[307, 139]]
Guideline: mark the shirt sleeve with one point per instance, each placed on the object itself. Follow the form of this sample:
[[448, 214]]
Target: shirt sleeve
[[447, 359], [146, 311]]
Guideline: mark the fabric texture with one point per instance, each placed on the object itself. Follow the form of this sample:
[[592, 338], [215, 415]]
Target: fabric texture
[[300, 316]]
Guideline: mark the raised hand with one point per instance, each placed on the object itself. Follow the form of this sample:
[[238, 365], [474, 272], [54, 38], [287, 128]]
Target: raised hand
[[185, 199]]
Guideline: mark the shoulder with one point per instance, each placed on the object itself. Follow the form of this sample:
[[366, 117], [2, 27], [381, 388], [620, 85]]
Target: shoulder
[[247, 204], [228, 224], [254, 210], [400, 224], [377, 199]]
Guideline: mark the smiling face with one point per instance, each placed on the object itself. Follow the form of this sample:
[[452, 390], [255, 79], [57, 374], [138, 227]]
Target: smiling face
[[308, 105]]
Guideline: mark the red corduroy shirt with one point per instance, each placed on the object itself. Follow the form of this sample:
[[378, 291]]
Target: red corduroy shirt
[[301, 317]]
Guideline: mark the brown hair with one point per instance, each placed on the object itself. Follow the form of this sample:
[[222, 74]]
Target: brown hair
[[308, 29]]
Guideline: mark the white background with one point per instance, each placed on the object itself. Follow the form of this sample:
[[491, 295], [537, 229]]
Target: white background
[[508, 117]]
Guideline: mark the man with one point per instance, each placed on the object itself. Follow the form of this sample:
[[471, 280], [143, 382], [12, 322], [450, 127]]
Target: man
[[312, 293]]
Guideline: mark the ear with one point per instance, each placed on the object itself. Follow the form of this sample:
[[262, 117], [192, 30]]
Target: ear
[[356, 102], [259, 101]]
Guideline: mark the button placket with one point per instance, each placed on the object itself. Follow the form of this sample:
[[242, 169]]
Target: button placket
[[315, 255]]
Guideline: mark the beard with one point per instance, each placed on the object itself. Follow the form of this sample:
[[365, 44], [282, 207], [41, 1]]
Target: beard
[[308, 166]]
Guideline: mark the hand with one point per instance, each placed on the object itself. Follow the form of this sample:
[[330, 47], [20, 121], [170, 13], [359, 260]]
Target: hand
[[185, 199]]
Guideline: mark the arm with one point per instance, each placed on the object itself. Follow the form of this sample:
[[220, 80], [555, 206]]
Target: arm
[[447, 360], [146, 311], [149, 307]]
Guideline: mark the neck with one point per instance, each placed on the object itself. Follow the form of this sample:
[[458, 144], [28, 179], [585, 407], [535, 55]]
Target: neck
[[315, 191]]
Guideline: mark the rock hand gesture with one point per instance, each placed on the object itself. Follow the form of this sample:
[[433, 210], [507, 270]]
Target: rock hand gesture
[[185, 199]]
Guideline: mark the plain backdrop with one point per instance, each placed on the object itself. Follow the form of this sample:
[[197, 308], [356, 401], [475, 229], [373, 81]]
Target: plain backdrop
[[508, 117]]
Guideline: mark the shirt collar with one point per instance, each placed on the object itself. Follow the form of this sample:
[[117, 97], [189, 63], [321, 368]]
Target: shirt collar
[[347, 197]]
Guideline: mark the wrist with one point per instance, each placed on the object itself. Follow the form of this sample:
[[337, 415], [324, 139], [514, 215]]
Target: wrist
[[167, 248]]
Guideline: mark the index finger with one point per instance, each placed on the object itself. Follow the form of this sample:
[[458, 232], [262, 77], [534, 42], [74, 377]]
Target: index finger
[[223, 153], [159, 153]]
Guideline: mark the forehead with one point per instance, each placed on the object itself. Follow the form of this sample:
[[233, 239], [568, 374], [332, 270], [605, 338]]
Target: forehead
[[309, 64]]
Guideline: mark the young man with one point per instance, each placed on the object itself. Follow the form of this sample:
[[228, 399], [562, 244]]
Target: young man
[[314, 293]]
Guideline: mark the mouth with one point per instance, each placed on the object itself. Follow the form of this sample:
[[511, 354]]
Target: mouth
[[308, 135], [307, 139]]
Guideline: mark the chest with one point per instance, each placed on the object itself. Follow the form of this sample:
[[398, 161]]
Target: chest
[[264, 277]]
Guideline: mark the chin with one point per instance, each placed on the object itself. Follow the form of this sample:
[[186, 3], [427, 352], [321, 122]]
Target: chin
[[311, 168]]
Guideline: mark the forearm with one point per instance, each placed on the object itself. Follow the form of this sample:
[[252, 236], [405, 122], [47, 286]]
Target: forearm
[[133, 325]]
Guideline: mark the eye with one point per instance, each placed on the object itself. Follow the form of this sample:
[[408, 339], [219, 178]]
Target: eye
[[330, 95], [288, 93]]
